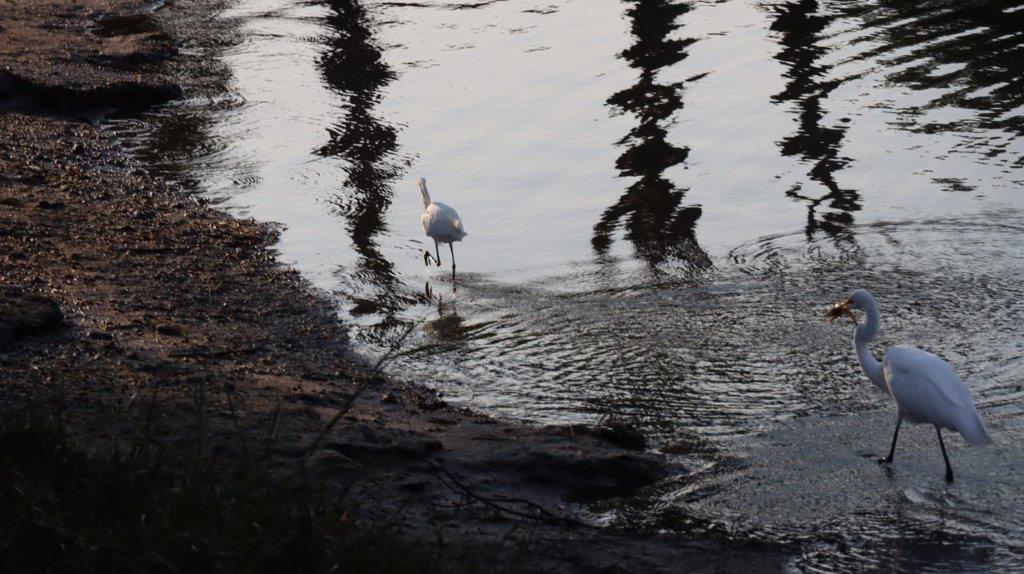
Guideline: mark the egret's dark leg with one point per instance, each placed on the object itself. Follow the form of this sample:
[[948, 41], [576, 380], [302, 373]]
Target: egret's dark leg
[[942, 445], [438, 250], [453, 266], [895, 435]]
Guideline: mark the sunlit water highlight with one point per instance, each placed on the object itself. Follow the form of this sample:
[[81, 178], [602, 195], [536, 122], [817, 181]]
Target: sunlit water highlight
[[661, 200]]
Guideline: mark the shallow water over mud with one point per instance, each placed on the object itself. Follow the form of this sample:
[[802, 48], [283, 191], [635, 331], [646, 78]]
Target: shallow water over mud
[[661, 199]]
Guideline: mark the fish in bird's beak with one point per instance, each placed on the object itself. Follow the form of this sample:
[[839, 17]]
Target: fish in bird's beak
[[839, 309]]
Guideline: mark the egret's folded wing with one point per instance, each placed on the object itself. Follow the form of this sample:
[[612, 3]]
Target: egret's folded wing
[[929, 375]]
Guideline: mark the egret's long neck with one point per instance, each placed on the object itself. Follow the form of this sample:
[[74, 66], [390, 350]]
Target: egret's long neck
[[865, 334], [423, 189]]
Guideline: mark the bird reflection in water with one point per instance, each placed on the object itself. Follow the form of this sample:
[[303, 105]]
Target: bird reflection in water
[[659, 227], [449, 325]]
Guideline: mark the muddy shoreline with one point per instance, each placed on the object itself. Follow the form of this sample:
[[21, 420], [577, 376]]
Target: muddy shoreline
[[137, 312]]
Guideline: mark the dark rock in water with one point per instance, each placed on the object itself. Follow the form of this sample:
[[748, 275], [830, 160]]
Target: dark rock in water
[[37, 95], [114, 25], [621, 435], [25, 315], [588, 478]]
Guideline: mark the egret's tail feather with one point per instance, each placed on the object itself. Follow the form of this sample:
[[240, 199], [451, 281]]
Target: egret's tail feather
[[461, 231], [422, 182], [975, 433]]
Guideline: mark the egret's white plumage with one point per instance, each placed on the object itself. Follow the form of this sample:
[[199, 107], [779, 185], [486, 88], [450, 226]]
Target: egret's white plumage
[[928, 390], [925, 387], [440, 222]]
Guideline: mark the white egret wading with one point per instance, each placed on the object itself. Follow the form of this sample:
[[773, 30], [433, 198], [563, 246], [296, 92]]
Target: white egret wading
[[441, 223], [925, 387]]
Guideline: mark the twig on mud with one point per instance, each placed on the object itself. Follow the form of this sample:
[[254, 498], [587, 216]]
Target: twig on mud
[[501, 503], [344, 408]]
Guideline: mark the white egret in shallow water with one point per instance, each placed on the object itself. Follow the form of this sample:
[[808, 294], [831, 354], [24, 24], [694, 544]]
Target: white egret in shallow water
[[925, 387], [441, 223]]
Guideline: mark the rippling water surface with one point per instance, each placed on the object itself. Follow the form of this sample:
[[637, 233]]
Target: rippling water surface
[[661, 199]]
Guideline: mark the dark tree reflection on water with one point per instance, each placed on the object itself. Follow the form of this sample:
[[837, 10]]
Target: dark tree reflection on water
[[970, 55], [651, 209], [970, 52], [800, 25], [354, 69]]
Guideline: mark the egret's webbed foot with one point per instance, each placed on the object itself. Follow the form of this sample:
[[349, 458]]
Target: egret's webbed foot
[[949, 475]]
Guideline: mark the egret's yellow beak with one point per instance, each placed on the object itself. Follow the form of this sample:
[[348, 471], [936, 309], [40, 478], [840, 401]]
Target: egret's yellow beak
[[839, 309]]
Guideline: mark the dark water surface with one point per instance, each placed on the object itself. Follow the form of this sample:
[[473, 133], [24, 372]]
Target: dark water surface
[[661, 199]]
